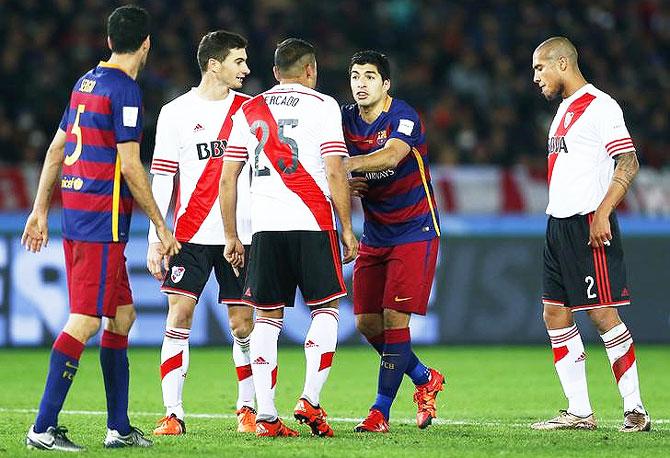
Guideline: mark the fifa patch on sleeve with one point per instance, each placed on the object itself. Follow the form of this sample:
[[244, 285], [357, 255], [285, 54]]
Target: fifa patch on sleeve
[[130, 116], [405, 126]]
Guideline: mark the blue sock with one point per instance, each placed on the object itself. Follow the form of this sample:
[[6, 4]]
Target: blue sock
[[63, 365], [114, 364], [396, 355], [416, 370]]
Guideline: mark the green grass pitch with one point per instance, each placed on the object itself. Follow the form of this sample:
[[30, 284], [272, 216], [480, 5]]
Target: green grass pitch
[[491, 396]]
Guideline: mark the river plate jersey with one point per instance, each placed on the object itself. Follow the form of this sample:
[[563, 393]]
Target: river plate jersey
[[105, 109], [400, 204]]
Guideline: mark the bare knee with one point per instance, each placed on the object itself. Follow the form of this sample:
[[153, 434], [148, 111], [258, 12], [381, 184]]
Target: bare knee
[[240, 320], [123, 321], [180, 312], [604, 319], [370, 324], [82, 327], [394, 319], [557, 317]]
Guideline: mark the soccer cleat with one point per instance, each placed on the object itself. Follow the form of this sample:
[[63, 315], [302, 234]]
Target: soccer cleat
[[135, 438], [634, 421], [314, 417], [275, 428], [375, 422], [53, 438], [566, 420], [170, 426], [246, 420], [425, 396]]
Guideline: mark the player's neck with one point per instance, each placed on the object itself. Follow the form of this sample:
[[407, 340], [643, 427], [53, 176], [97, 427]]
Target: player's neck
[[371, 112], [573, 86], [210, 89], [129, 63]]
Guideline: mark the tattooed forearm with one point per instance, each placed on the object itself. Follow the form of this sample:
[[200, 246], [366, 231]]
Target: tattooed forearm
[[625, 170]]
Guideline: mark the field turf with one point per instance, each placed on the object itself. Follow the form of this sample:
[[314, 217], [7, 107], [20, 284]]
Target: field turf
[[492, 394]]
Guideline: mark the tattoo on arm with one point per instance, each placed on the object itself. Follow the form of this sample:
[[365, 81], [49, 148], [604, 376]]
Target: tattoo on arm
[[625, 170]]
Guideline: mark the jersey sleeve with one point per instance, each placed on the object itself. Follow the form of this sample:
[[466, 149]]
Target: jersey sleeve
[[406, 126], [127, 113], [238, 141], [166, 151], [613, 131], [332, 143], [63, 121]]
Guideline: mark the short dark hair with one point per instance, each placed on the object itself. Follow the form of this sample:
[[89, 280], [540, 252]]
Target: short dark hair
[[375, 58], [217, 45], [127, 28], [291, 51]]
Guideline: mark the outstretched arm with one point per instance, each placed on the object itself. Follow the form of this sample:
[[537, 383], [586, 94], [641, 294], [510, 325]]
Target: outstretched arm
[[384, 158]]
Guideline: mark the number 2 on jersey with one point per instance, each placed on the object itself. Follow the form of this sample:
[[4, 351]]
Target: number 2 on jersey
[[589, 287], [76, 131], [265, 134]]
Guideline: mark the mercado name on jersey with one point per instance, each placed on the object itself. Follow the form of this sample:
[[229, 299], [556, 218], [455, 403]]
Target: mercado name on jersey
[[105, 109], [400, 204]]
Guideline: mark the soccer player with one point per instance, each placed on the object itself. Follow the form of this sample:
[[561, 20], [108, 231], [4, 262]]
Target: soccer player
[[592, 163], [295, 136], [394, 271], [97, 146], [191, 136]]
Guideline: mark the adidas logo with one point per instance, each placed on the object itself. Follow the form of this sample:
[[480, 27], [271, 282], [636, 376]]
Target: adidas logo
[[247, 292], [260, 360], [582, 357], [310, 344], [625, 293], [198, 127], [260, 428]]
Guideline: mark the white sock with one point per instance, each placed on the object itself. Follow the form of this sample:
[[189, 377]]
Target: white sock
[[245, 381], [621, 353], [570, 363], [174, 365], [320, 344], [263, 355]]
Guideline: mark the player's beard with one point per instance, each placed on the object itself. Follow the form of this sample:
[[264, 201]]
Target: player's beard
[[554, 94]]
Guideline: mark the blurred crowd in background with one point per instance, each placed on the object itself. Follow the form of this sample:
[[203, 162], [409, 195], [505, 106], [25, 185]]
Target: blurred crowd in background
[[466, 66]]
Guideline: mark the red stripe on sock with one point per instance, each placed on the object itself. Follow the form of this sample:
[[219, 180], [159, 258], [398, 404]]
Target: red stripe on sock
[[274, 377], [68, 345], [114, 341], [560, 353], [170, 364], [378, 339], [243, 372], [394, 336], [624, 363], [326, 360]]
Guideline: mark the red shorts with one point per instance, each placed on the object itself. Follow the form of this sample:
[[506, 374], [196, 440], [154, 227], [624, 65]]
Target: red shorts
[[97, 278], [398, 277]]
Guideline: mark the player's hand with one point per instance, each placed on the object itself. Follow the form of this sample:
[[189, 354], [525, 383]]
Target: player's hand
[[600, 233], [169, 245], [358, 186], [36, 233], [350, 246], [157, 262], [234, 253]]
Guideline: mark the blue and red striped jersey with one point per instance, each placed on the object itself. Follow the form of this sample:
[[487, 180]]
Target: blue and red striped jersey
[[400, 204], [105, 109]]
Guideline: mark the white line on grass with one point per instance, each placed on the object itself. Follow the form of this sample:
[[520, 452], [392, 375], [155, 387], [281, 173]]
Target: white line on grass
[[226, 416]]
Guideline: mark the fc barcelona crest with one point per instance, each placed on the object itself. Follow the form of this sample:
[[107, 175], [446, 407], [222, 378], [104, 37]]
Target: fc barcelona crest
[[177, 273], [381, 137]]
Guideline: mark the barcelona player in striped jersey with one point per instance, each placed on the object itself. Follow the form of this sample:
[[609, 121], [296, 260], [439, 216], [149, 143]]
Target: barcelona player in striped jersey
[[97, 146], [394, 271]]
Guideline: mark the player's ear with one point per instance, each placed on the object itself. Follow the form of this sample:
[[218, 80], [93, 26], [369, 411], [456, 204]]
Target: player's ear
[[386, 85], [146, 44], [275, 72], [109, 43]]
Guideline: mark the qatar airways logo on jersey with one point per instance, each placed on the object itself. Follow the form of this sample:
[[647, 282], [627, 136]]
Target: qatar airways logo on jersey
[[212, 149], [379, 175], [557, 145]]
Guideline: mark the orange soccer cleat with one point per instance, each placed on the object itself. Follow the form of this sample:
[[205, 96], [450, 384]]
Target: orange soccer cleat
[[314, 417], [274, 429], [375, 422], [170, 426], [246, 420], [425, 396]]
